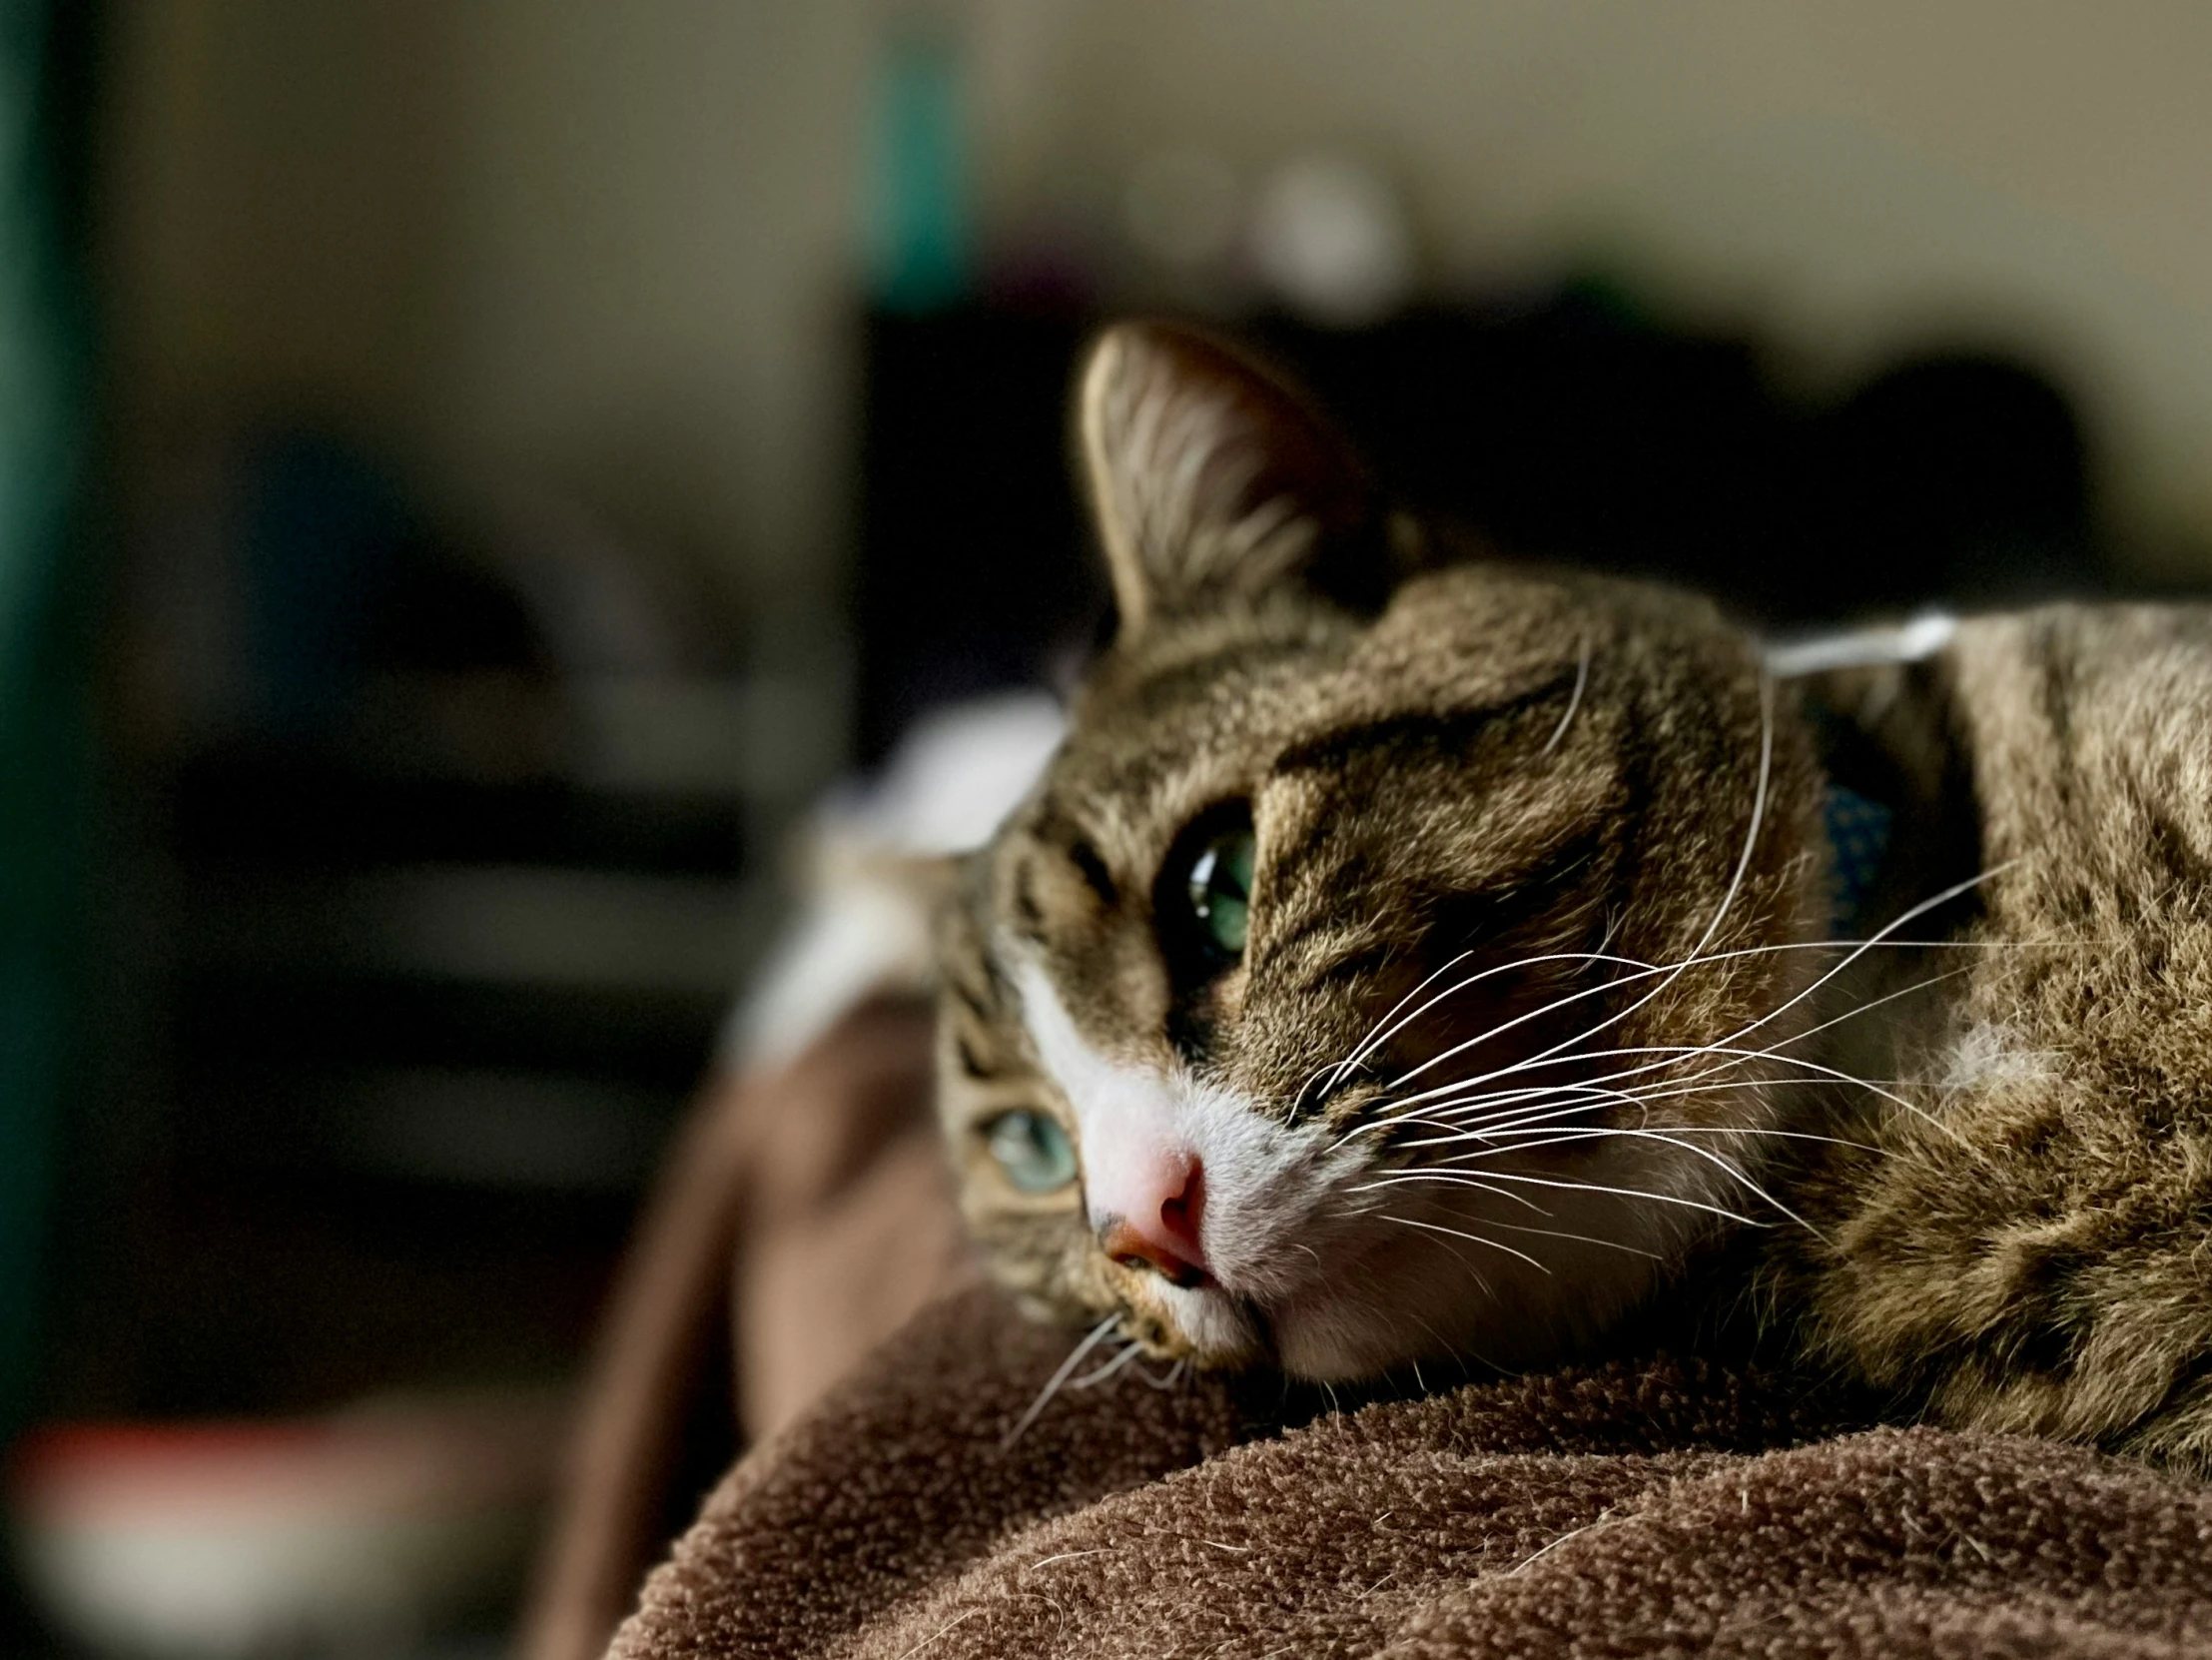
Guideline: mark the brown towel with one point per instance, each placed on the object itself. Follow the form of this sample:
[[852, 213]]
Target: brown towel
[[1655, 1508], [802, 1217]]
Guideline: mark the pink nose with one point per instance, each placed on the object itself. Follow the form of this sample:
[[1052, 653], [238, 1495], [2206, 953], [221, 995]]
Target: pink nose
[[1159, 1230]]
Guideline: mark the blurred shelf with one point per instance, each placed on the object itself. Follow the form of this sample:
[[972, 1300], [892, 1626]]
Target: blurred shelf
[[240, 811], [525, 925], [764, 738], [231, 1024], [544, 1132]]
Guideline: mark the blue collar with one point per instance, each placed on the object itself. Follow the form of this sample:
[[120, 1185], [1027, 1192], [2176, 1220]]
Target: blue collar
[[1858, 837]]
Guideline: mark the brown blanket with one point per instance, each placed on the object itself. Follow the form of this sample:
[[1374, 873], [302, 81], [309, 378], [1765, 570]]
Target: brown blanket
[[1660, 1508], [802, 1217]]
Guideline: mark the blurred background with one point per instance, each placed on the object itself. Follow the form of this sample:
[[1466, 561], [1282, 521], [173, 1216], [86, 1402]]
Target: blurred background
[[471, 471]]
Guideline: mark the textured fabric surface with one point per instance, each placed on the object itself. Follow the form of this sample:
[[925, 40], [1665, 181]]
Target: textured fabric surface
[[1641, 1509], [801, 1219]]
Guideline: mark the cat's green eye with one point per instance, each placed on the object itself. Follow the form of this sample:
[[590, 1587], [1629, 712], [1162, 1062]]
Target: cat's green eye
[[1221, 890], [1031, 1149]]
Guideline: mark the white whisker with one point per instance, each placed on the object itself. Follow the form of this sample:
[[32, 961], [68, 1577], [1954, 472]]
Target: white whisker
[[1173, 1377], [1758, 811], [1475, 1238], [1379, 1037], [1674, 1052], [1099, 1374], [1921, 909], [1574, 702], [1090, 1341], [1743, 862], [1730, 1171], [1736, 882], [1579, 1238], [1565, 1052], [1360, 1050], [1547, 1123], [1452, 1109], [1401, 1178], [1499, 1141]]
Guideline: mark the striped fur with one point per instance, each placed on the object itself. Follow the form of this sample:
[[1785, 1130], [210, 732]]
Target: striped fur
[[1537, 1001]]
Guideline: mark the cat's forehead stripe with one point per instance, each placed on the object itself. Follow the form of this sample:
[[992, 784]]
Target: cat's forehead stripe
[[1427, 729]]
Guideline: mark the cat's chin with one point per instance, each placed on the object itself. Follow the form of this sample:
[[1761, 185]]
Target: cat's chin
[[1327, 1338], [1214, 1329], [1326, 1350], [1325, 1342]]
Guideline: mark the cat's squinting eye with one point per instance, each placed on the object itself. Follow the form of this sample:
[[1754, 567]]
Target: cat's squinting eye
[[1031, 1149], [1219, 886]]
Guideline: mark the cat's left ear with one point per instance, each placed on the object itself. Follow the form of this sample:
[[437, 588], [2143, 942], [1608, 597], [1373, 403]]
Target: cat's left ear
[[1214, 482]]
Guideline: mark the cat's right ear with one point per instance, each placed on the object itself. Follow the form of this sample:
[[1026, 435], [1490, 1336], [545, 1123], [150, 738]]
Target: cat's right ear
[[1212, 482]]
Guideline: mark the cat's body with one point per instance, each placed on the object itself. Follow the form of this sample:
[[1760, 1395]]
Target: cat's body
[[2036, 1254], [1407, 960]]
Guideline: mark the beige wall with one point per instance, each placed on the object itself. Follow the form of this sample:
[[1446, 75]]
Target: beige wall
[[581, 246], [1852, 177], [599, 246]]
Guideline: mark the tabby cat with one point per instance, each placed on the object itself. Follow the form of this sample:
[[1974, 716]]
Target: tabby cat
[[1414, 958]]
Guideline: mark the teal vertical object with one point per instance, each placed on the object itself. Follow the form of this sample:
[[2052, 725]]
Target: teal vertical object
[[43, 683], [919, 203]]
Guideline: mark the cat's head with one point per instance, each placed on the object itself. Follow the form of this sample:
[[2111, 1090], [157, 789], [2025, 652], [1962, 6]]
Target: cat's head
[[1327, 999]]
